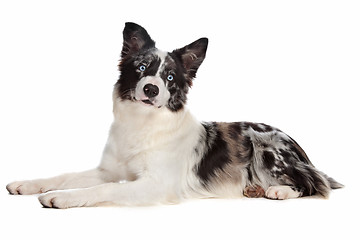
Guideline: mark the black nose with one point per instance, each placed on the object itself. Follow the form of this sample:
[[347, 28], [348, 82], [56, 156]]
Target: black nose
[[151, 90]]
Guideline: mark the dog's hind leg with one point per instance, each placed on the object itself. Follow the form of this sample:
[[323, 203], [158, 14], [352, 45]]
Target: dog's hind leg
[[66, 181]]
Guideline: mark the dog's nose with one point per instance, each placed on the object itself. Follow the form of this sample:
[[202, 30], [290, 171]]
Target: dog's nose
[[151, 90]]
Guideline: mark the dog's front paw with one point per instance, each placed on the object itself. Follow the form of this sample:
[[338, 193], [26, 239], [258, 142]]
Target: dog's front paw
[[25, 188], [62, 200]]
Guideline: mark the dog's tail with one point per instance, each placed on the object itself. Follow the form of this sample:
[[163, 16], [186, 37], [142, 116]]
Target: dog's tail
[[317, 182], [334, 184], [313, 180]]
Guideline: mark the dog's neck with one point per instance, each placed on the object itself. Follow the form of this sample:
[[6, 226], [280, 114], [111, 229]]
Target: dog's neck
[[139, 115]]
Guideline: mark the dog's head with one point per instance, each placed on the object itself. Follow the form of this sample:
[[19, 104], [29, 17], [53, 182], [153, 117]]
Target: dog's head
[[153, 77]]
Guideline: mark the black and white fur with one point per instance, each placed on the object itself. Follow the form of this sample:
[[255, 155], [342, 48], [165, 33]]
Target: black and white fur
[[157, 152]]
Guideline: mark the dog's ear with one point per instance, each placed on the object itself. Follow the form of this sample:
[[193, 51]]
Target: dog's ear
[[136, 38], [192, 55]]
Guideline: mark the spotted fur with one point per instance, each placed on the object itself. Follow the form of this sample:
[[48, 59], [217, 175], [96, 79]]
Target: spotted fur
[[165, 155], [265, 155]]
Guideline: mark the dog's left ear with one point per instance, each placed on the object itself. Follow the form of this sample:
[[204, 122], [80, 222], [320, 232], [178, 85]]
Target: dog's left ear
[[136, 38], [192, 55]]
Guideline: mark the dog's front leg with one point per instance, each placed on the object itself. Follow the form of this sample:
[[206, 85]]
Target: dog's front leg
[[139, 192], [66, 181]]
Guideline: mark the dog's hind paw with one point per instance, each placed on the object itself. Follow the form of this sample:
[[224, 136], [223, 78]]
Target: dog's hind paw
[[281, 192]]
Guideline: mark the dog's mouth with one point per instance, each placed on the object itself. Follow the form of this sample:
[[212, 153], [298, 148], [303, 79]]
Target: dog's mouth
[[148, 102]]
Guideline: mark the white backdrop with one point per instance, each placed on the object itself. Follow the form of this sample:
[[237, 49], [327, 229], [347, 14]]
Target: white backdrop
[[291, 64]]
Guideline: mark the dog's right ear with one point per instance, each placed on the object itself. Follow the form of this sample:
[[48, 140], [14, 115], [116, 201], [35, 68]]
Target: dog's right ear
[[136, 38]]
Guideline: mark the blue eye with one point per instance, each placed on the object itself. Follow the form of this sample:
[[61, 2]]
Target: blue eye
[[170, 77], [142, 68]]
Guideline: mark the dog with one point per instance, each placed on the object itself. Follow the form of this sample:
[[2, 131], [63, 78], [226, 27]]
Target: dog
[[157, 152]]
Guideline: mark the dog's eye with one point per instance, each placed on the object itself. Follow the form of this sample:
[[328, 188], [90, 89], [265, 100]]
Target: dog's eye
[[170, 77], [142, 68]]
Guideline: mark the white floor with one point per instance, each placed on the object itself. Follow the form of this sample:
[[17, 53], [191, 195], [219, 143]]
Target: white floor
[[23, 218]]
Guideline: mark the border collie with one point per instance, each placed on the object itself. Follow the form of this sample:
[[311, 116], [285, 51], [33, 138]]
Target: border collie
[[157, 152]]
